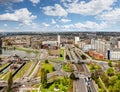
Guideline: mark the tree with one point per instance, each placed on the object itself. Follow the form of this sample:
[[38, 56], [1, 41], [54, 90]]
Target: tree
[[47, 71], [104, 78], [83, 57], [46, 61], [118, 75], [10, 83], [110, 63], [44, 77], [67, 57], [92, 66], [53, 69], [9, 43], [61, 55], [116, 87], [110, 88], [113, 80], [118, 66], [72, 76], [95, 75], [110, 71]]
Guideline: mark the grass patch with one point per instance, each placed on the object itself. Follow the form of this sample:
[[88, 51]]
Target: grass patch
[[22, 71], [5, 75], [93, 67], [67, 67], [28, 50], [62, 53], [47, 66], [33, 68], [38, 73], [4, 65], [100, 86]]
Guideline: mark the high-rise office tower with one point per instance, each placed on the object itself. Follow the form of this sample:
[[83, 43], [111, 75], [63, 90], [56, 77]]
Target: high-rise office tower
[[58, 37], [77, 39]]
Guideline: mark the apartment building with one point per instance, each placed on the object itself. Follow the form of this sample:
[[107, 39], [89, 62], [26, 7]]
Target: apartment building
[[114, 54], [100, 46]]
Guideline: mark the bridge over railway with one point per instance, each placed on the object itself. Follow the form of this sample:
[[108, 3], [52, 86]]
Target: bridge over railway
[[81, 61]]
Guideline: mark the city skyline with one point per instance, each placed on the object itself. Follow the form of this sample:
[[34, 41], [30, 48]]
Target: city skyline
[[59, 15]]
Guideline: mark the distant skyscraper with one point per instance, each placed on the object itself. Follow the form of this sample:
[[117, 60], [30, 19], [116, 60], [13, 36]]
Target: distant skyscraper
[[118, 44], [77, 40], [58, 39]]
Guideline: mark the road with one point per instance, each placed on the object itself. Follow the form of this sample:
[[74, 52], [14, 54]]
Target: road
[[27, 84], [80, 85], [82, 80], [68, 52], [92, 85], [35, 70], [32, 81]]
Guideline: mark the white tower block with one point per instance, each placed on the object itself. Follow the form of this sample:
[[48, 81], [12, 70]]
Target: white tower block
[[77, 39], [59, 39]]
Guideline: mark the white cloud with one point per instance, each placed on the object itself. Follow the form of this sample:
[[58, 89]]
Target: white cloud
[[53, 21], [88, 25], [55, 10], [22, 15], [112, 16], [93, 7], [5, 25], [65, 20], [35, 1], [45, 24]]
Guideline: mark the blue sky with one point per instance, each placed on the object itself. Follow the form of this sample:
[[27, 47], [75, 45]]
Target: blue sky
[[59, 15]]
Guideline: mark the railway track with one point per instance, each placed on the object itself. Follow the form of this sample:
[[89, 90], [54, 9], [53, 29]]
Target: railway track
[[80, 67]]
